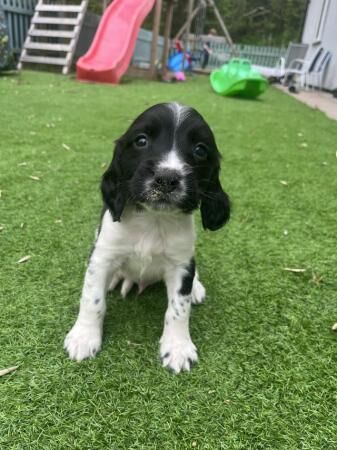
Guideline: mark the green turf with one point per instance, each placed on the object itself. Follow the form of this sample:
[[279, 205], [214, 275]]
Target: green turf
[[267, 374]]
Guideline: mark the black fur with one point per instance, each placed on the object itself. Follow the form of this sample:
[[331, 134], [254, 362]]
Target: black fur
[[215, 204], [187, 281], [114, 185], [133, 167]]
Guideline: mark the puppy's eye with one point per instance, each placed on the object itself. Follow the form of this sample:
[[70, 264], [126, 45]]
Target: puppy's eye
[[141, 141], [200, 152]]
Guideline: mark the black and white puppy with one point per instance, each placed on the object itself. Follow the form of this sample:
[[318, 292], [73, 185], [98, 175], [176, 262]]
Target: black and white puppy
[[164, 166]]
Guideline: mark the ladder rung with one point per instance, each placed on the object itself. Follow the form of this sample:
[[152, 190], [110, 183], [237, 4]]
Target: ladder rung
[[44, 60], [55, 21], [44, 46], [52, 33], [59, 8]]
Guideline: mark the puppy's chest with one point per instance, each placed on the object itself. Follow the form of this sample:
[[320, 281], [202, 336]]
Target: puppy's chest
[[154, 247], [149, 256]]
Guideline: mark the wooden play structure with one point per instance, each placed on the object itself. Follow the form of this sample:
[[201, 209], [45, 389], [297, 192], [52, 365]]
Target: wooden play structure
[[56, 26], [196, 11]]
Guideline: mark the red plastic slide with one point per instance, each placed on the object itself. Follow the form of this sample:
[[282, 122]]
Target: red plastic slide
[[112, 48]]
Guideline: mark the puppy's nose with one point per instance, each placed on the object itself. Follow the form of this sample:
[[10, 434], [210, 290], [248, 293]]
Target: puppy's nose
[[166, 181]]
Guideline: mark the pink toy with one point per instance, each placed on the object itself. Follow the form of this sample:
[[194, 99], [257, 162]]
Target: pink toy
[[180, 76]]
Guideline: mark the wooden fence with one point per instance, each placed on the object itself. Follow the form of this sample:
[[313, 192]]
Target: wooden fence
[[259, 55], [222, 52], [142, 54], [18, 14]]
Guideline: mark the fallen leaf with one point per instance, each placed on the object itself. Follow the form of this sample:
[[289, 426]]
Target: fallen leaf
[[8, 370], [66, 146], [32, 177], [1, 228], [134, 343], [285, 183], [24, 259], [334, 327], [290, 269]]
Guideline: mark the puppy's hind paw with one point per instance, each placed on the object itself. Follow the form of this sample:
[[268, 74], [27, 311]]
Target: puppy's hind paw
[[126, 287], [198, 292]]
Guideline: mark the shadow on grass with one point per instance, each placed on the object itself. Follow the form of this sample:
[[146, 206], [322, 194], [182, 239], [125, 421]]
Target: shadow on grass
[[140, 314]]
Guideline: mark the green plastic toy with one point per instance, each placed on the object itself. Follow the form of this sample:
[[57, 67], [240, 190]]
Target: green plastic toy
[[237, 78]]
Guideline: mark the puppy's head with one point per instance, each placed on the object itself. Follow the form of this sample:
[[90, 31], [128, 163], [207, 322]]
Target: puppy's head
[[167, 160]]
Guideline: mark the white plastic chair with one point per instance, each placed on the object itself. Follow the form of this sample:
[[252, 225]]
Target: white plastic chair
[[300, 68], [277, 72]]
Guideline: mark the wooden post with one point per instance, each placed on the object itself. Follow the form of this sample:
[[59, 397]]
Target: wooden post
[[167, 34], [155, 34], [183, 28], [188, 29], [221, 22], [189, 20], [104, 5]]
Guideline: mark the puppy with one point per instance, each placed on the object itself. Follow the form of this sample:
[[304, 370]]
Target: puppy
[[164, 166]]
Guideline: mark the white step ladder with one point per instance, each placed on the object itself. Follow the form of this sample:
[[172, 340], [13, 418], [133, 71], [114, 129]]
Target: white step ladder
[[53, 34]]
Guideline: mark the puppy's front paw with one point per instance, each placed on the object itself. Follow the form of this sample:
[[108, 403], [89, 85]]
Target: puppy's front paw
[[83, 342], [178, 355]]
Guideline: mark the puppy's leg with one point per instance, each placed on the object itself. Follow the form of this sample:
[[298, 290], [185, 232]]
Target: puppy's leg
[[177, 350], [85, 338]]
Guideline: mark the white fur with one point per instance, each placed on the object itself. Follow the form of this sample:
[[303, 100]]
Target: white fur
[[180, 112], [145, 247], [198, 291], [173, 162]]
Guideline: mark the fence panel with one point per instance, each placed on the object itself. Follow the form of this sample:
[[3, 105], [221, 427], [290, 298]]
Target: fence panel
[[259, 55], [142, 54], [222, 52], [18, 15]]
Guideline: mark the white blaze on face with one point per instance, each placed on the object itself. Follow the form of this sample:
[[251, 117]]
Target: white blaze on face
[[180, 112], [172, 161]]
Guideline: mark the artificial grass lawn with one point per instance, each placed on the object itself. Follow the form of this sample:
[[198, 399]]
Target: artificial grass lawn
[[267, 374]]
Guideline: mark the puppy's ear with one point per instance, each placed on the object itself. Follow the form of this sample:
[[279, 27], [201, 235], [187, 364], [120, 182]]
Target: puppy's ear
[[113, 187], [215, 204]]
